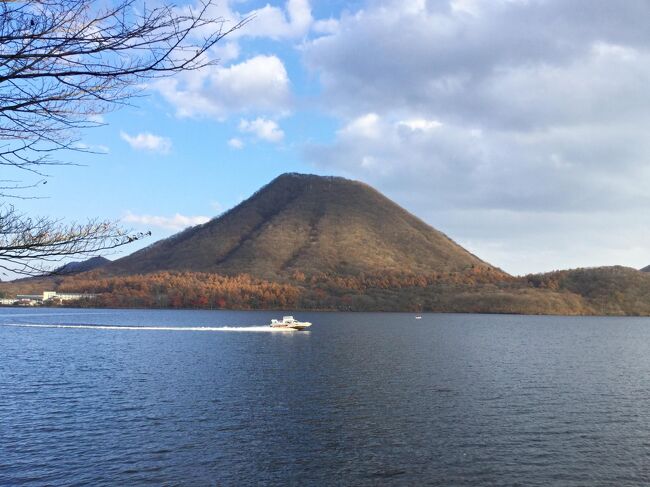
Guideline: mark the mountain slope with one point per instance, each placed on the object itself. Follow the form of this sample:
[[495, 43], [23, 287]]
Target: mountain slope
[[311, 224], [614, 290], [81, 266]]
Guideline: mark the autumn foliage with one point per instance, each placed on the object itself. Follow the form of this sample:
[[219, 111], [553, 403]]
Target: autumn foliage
[[183, 290], [477, 289], [382, 291]]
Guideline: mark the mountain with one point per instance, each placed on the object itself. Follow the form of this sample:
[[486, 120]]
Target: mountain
[[309, 224], [314, 242], [83, 266], [646, 269], [614, 290]]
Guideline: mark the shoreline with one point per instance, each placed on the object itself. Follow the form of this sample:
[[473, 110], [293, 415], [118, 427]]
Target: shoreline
[[329, 310]]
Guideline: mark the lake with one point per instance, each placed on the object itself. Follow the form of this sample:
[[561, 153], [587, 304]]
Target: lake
[[133, 397]]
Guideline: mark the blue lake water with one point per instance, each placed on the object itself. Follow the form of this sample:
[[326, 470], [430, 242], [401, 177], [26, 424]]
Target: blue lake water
[[188, 398]]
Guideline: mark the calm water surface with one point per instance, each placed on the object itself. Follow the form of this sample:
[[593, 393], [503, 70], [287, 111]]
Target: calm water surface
[[361, 399]]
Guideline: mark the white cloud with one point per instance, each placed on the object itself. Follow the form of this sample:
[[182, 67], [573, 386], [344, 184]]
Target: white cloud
[[367, 126], [524, 242], [326, 26], [97, 148], [292, 22], [226, 51], [458, 166], [148, 142], [259, 84], [509, 64], [175, 222], [420, 124], [512, 110], [262, 129], [236, 143]]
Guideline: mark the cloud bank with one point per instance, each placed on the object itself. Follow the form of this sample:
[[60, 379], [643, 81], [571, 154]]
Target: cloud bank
[[508, 108], [259, 84]]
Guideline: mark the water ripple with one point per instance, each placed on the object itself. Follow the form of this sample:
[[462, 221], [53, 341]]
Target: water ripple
[[364, 400]]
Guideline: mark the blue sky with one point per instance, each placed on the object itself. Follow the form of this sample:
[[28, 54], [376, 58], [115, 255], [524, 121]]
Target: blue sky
[[519, 128]]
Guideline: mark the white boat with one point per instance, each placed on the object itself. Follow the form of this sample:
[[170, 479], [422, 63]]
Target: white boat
[[418, 317], [290, 323]]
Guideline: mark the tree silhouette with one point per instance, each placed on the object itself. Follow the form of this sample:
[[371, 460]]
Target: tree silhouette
[[64, 63]]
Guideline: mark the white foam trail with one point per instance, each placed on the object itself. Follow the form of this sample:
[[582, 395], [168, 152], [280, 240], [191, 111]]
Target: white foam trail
[[158, 328]]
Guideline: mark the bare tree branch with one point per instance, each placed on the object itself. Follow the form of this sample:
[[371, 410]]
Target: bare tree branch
[[63, 63], [28, 244]]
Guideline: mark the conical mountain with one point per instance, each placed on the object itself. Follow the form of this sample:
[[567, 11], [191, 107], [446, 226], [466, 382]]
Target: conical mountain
[[310, 224]]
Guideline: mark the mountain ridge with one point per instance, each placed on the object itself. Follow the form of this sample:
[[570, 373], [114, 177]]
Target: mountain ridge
[[81, 266], [329, 243], [306, 223]]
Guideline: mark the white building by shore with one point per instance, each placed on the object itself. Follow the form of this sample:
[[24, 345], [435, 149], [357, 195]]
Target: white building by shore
[[45, 297]]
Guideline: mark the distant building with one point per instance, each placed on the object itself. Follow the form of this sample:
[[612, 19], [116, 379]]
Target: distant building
[[47, 295], [32, 299]]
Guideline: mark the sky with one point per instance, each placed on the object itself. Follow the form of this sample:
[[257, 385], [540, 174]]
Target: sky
[[519, 128]]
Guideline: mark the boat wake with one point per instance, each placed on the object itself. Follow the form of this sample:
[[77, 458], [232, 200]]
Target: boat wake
[[156, 328]]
